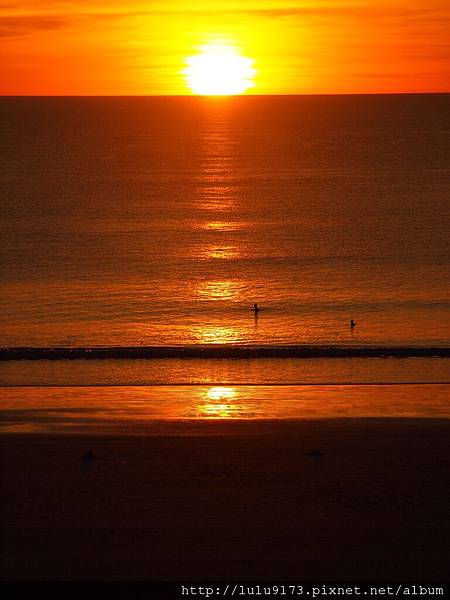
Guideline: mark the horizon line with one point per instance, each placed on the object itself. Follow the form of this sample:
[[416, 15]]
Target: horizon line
[[225, 96]]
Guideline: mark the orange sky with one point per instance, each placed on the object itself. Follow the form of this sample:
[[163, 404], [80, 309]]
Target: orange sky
[[97, 47]]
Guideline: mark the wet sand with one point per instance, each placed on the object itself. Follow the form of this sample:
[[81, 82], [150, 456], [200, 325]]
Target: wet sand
[[231, 501]]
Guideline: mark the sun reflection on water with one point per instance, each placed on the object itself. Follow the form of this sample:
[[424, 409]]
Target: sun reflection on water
[[222, 252], [218, 290], [217, 199], [220, 402], [221, 226], [212, 334], [217, 187]]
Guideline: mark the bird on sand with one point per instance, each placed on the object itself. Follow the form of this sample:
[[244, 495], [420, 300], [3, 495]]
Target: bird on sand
[[315, 454]]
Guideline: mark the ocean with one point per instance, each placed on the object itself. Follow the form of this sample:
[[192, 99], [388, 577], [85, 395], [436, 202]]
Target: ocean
[[158, 221]]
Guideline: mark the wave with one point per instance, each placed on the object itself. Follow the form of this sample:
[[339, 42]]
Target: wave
[[220, 351]]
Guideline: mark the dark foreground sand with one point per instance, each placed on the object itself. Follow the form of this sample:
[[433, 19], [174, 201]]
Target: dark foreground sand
[[231, 501]]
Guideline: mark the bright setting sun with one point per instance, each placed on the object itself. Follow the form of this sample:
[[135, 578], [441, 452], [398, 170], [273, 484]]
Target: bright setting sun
[[219, 70]]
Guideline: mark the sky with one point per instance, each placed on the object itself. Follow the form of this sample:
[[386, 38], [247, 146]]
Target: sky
[[136, 47]]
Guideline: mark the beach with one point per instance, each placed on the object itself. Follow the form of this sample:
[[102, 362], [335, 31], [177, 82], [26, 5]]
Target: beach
[[230, 500]]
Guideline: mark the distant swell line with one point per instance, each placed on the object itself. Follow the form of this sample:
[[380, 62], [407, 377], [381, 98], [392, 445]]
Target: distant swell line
[[221, 351]]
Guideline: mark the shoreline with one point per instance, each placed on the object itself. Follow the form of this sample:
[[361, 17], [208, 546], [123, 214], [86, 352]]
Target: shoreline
[[230, 501], [233, 427]]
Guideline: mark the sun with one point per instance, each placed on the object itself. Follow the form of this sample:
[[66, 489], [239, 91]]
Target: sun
[[219, 70]]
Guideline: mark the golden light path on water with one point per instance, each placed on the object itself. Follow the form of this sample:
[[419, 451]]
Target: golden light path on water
[[221, 252], [222, 226], [217, 334], [218, 290]]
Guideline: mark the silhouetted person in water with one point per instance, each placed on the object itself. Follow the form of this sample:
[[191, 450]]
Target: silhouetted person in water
[[352, 323], [255, 308]]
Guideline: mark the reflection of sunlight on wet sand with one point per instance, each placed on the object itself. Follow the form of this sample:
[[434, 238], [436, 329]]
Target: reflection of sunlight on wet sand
[[147, 408], [211, 334], [218, 290], [220, 392], [220, 403]]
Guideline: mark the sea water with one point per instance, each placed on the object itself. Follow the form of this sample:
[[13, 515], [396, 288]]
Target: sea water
[[161, 221]]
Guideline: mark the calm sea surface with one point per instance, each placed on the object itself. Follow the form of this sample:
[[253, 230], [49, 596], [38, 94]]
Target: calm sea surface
[[160, 221]]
